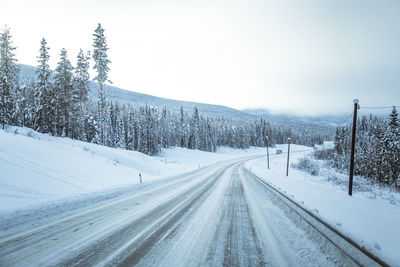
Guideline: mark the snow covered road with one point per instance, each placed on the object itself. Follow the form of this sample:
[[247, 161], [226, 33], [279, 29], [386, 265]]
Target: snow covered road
[[218, 216]]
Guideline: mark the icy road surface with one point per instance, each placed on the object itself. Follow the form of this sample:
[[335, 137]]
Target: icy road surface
[[217, 216]]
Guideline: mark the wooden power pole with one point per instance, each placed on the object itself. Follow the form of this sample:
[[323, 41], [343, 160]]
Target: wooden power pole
[[353, 144]]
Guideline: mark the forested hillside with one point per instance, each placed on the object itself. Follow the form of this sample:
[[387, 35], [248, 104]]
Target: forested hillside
[[27, 74], [63, 103]]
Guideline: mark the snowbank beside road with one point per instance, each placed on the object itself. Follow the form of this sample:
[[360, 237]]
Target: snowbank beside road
[[373, 223]]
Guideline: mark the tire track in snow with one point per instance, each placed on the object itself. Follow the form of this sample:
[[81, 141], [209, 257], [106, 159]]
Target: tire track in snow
[[235, 237], [172, 222], [218, 231]]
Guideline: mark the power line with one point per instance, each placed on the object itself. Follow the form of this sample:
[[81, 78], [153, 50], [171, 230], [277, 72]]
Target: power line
[[361, 107], [346, 119]]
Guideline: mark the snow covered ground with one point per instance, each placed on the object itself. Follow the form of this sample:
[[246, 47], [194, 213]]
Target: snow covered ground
[[372, 220], [42, 177]]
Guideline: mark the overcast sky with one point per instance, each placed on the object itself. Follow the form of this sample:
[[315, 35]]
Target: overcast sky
[[304, 57]]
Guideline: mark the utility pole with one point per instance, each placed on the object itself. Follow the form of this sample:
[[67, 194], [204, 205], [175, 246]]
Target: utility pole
[[288, 152], [267, 152], [353, 144]]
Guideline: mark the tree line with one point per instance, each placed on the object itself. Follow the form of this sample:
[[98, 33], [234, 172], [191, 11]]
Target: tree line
[[377, 149], [57, 103]]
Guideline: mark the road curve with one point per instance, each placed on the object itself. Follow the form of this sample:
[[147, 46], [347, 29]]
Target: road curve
[[218, 216]]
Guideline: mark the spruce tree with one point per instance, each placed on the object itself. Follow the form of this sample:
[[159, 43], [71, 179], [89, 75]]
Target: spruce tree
[[29, 105], [182, 128], [127, 125], [9, 73], [80, 94], [90, 129], [44, 95], [394, 118], [82, 76], [101, 66], [25, 103], [194, 139], [114, 129], [63, 84], [391, 150], [163, 123]]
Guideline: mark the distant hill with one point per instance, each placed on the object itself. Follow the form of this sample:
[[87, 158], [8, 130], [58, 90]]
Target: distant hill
[[290, 120], [27, 73]]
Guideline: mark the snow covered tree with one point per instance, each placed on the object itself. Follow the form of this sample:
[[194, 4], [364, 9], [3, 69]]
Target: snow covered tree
[[114, 129], [90, 129], [44, 95], [128, 127], [101, 66], [65, 95], [184, 132], [194, 138], [82, 77], [394, 119], [164, 129], [9, 73], [81, 89], [25, 105], [391, 150]]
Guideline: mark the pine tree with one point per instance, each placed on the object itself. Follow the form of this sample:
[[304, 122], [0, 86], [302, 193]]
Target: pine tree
[[29, 109], [80, 94], [25, 102], [114, 129], [9, 73], [391, 150], [101, 66], [44, 95], [182, 128], [164, 131], [394, 119], [63, 84], [127, 125], [194, 139], [90, 129], [82, 76]]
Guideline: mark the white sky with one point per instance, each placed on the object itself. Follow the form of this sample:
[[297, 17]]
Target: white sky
[[303, 57]]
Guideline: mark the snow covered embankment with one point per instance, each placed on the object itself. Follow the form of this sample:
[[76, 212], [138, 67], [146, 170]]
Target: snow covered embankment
[[371, 222], [43, 176]]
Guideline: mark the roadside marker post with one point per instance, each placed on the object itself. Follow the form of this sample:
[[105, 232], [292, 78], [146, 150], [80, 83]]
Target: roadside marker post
[[288, 152], [267, 152]]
